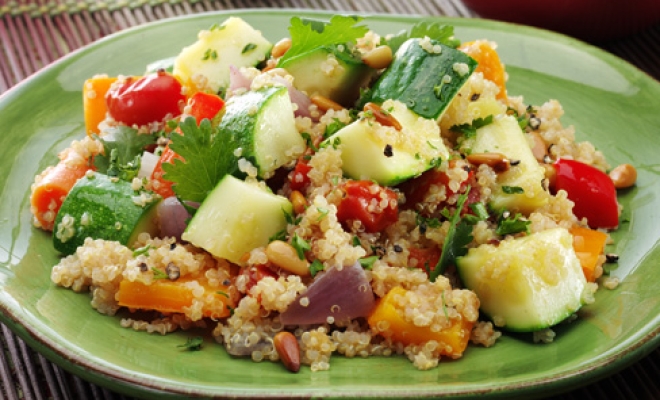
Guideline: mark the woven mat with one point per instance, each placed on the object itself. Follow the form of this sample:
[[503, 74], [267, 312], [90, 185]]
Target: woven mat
[[38, 32]]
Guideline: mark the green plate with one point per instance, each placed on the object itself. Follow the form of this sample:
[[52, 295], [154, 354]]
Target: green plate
[[609, 102]]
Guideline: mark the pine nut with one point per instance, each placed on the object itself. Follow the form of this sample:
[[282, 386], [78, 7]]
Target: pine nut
[[497, 161], [288, 349], [378, 58], [299, 202], [383, 117], [539, 148], [623, 176], [284, 256], [324, 104], [280, 48]]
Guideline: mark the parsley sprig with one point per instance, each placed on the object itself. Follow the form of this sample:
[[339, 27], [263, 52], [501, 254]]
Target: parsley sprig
[[434, 30], [470, 130]]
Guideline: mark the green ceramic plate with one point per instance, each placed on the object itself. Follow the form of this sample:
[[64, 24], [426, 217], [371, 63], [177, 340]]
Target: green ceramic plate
[[610, 103]]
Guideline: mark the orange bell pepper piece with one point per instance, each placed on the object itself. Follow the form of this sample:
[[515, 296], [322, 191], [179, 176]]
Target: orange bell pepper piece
[[94, 105], [588, 245], [489, 63]]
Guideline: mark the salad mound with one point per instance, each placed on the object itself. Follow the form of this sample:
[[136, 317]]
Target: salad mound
[[337, 191]]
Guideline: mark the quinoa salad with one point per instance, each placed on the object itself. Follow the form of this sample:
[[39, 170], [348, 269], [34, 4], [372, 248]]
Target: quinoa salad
[[334, 192]]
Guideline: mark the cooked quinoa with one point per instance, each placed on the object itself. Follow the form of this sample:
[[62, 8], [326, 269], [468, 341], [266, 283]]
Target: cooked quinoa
[[241, 303]]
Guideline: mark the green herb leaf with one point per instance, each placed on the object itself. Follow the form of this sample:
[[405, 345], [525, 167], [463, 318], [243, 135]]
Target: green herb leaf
[[121, 155], [193, 343], [368, 262], [333, 127], [513, 190], [323, 213], [428, 222], [309, 141], [281, 235], [434, 30], [220, 292], [470, 130], [248, 47], [512, 225], [291, 218], [158, 274], [480, 210], [315, 267], [205, 162], [356, 241], [456, 241], [308, 34], [301, 246], [142, 250]]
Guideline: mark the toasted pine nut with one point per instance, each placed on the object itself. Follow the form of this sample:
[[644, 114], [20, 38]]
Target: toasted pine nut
[[623, 176], [280, 48], [298, 201], [285, 256], [288, 349], [378, 58], [324, 104], [383, 117], [497, 161], [539, 148]]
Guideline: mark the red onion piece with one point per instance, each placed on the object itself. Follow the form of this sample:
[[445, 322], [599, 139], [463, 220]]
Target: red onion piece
[[342, 295], [297, 97], [172, 216], [237, 80], [147, 164]]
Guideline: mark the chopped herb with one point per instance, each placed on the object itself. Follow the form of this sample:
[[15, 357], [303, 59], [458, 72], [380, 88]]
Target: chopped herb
[[210, 54], [308, 34], [309, 141], [193, 343], [428, 222], [335, 180], [323, 211], [121, 156], [142, 250], [221, 293], [356, 241], [434, 30], [479, 210], [470, 130], [281, 235], [456, 241], [290, 218], [368, 262], [216, 27], [158, 274], [333, 127], [301, 246], [248, 47], [507, 225], [315, 267], [431, 145], [205, 161], [513, 190]]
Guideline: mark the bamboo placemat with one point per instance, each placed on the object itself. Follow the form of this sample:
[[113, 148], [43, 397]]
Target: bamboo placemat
[[35, 33]]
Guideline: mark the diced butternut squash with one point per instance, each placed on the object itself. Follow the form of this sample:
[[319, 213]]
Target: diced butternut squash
[[489, 63], [94, 106], [388, 320], [174, 296], [589, 245]]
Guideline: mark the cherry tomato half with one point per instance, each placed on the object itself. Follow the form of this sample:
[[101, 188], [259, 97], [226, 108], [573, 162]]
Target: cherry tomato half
[[145, 100], [591, 190], [373, 205]]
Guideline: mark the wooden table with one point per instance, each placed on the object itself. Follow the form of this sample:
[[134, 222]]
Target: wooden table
[[37, 32]]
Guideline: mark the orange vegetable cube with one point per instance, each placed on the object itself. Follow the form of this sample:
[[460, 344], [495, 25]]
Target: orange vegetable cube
[[489, 63], [588, 244], [94, 106]]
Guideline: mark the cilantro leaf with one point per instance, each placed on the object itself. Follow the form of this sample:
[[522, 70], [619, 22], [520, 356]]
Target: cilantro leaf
[[513, 189], [470, 130], [512, 225], [434, 30], [205, 162], [301, 245], [315, 267], [126, 145], [193, 343], [308, 34], [368, 262], [456, 241]]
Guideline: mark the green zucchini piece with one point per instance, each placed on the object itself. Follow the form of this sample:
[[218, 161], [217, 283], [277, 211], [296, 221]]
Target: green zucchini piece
[[260, 127], [328, 72], [526, 284], [235, 218], [102, 207], [386, 155], [234, 42], [505, 136], [425, 75]]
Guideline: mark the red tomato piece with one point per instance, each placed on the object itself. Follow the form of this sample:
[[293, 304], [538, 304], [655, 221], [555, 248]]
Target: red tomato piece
[[591, 190], [424, 257], [298, 178], [145, 100], [417, 189], [159, 184], [205, 105], [374, 206]]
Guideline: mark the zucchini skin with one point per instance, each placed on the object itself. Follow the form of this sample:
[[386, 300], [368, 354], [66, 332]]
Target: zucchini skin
[[416, 75], [102, 207]]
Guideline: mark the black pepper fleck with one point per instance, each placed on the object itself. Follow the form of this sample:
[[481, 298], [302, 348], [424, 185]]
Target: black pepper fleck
[[144, 267], [513, 163], [611, 257], [398, 248], [173, 272], [173, 246], [388, 151], [475, 97], [422, 228]]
